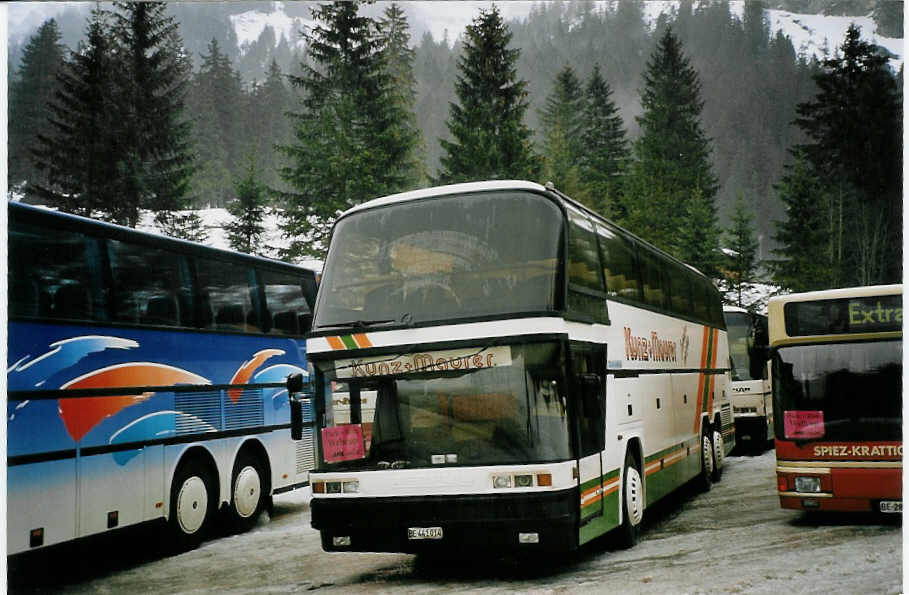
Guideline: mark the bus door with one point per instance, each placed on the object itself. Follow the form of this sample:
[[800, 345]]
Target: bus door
[[588, 382]]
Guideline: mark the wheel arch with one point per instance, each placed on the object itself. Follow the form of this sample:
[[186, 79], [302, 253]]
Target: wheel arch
[[196, 455], [635, 448]]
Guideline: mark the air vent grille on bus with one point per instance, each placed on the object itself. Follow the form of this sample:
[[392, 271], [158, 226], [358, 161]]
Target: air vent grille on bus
[[726, 414], [249, 410], [309, 413], [202, 412], [306, 453]]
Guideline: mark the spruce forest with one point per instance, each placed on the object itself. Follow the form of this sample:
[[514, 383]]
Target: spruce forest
[[706, 133]]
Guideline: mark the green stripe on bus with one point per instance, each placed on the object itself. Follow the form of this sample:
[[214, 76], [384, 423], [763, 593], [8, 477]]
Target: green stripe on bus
[[349, 342], [596, 480]]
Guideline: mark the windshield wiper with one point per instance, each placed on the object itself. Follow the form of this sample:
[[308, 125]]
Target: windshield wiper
[[359, 323], [406, 319]]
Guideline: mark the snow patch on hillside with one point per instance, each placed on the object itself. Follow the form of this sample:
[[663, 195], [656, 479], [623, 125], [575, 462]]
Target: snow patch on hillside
[[250, 25], [813, 34]]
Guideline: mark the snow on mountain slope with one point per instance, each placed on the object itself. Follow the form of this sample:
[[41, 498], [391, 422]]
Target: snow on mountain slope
[[811, 34], [249, 25]]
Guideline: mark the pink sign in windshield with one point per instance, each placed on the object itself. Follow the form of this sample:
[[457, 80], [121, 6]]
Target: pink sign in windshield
[[801, 425], [342, 443]]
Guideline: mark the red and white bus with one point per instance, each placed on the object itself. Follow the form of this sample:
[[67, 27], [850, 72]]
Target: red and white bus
[[837, 396]]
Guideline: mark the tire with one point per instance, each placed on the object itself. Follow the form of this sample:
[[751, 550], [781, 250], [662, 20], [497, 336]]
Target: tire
[[705, 477], [192, 503], [632, 503], [719, 455], [247, 491]]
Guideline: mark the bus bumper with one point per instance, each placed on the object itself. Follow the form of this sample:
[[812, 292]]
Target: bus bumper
[[850, 490], [533, 522]]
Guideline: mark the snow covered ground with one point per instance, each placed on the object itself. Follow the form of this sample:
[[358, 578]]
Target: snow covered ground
[[733, 539]]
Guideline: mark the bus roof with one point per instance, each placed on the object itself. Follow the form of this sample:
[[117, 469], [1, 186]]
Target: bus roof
[[439, 191], [833, 294]]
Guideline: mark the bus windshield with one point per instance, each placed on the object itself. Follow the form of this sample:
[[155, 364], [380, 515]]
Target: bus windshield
[[839, 391], [461, 256], [744, 331], [473, 406]]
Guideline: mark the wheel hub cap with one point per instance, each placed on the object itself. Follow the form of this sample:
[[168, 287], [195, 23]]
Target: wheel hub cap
[[247, 492], [192, 505]]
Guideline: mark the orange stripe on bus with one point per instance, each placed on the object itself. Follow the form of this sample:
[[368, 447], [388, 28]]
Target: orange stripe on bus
[[362, 340], [700, 395], [335, 342]]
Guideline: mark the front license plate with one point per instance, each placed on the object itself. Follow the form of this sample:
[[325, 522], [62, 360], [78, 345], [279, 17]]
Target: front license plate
[[424, 533], [892, 506]]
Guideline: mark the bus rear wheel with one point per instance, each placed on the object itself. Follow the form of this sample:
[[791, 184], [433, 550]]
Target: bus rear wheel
[[705, 477], [632, 503], [718, 455], [247, 491], [191, 505]]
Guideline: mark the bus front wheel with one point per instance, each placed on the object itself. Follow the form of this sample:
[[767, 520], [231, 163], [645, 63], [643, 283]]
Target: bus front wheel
[[191, 505], [632, 503], [247, 491]]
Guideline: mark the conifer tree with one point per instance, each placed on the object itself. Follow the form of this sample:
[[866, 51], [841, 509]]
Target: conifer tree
[[672, 153], [78, 158], [564, 108], [562, 126], [698, 239], [604, 154], [218, 103], [398, 58], [350, 140], [29, 95], [156, 159], [742, 264], [268, 104], [854, 132], [246, 230], [804, 262], [489, 137]]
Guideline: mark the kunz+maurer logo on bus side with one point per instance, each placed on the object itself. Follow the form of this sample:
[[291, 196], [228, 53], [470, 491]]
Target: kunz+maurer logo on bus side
[[653, 349]]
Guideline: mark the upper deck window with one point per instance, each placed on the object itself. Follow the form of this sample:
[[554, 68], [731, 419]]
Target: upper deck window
[[849, 315], [454, 257]]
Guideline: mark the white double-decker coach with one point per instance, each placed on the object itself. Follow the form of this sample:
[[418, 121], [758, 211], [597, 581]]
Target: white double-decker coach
[[495, 366]]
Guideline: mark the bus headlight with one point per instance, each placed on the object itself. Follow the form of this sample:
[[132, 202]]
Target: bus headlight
[[501, 481], [523, 481], [350, 487], [808, 484]]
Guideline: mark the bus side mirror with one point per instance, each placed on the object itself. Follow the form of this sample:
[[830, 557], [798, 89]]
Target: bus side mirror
[[294, 386], [296, 419], [294, 383]]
